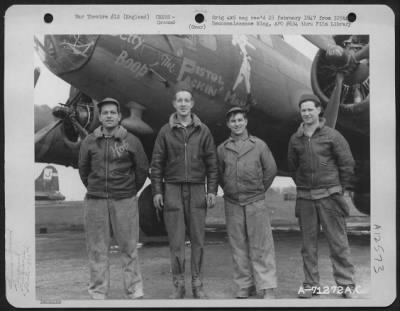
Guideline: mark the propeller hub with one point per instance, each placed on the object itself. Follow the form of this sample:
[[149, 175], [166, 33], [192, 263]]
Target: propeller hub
[[337, 56], [60, 112]]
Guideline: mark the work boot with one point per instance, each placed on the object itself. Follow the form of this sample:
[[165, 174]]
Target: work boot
[[347, 291], [97, 296], [179, 292], [199, 293], [179, 287], [307, 291], [244, 293], [268, 293], [197, 287]]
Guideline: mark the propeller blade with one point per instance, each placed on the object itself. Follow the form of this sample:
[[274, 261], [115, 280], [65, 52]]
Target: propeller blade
[[42, 133], [332, 110], [36, 75], [82, 131], [363, 53], [322, 42]]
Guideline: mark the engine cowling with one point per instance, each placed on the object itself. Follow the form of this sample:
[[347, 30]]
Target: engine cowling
[[60, 141]]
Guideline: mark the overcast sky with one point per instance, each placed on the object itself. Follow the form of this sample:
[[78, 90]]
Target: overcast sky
[[51, 90]]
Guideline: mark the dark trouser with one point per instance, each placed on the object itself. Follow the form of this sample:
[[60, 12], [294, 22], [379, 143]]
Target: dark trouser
[[328, 213], [123, 217], [185, 213]]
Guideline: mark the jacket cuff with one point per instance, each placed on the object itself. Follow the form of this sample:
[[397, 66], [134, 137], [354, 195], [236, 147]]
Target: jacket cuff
[[156, 189], [212, 189]]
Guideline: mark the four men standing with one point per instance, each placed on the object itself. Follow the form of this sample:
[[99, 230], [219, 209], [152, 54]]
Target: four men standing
[[113, 167]]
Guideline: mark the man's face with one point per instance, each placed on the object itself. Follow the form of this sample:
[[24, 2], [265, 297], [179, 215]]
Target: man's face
[[237, 123], [109, 116], [309, 112], [183, 103]]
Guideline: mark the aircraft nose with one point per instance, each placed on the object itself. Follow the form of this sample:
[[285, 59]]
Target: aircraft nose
[[65, 53]]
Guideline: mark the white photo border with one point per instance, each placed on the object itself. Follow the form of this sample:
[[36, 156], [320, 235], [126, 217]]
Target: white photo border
[[23, 22]]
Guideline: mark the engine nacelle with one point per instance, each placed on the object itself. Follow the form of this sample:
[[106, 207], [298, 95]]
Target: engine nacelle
[[53, 149], [61, 143]]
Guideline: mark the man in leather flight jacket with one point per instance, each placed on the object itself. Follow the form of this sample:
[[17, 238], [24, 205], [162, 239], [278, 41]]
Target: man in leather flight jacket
[[184, 159], [321, 164]]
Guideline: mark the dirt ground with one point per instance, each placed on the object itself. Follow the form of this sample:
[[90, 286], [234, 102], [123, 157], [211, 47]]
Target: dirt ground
[[62, 267], [62, 271]]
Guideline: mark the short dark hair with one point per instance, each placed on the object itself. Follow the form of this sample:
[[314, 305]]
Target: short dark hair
[[317, 104], [191, 94], [184, 85]]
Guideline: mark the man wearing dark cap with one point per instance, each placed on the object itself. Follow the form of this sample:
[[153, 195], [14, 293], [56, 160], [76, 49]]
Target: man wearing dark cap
[[321, 164], [113, 167], [184, 159], [246, 170]]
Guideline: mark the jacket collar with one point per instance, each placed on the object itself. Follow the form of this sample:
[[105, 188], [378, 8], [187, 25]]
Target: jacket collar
[[249, 137], [120, 133], [300, 130], [173, 120], [248, 145]]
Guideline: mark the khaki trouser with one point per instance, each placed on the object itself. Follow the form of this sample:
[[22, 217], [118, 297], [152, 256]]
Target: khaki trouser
[[329, 213], [122, 215], [184, 214], [252, 245]]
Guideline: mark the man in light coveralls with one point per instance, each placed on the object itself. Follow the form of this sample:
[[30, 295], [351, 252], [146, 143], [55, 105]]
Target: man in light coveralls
[[247, 169]]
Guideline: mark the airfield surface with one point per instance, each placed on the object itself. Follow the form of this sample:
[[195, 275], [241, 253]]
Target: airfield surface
[[62, 270], [62, 265]]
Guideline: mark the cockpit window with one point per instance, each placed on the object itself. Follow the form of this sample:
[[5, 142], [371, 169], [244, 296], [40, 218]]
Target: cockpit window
[[189, 37], [208, 41], [266, 39], [190, 40]]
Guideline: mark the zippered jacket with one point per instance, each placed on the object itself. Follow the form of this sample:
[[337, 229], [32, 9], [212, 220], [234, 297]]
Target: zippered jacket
[[245, 174], [184, 155], [112, 167], [322, 161]]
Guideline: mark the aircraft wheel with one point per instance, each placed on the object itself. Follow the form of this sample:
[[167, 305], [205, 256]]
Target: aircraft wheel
[[149, 223]]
